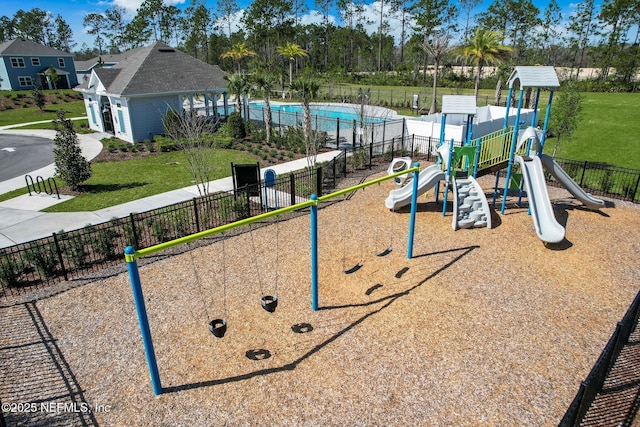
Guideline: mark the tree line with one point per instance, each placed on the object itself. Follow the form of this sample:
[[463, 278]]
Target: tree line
[[603, 36]]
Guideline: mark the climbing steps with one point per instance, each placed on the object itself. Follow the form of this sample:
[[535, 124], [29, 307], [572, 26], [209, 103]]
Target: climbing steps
[[470, 207]]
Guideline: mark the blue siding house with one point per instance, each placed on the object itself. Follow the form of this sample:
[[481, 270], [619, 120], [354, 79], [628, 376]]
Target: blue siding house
[[24, 64], [131, 98]]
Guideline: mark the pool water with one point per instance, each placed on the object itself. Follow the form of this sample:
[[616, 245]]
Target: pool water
[[324, 116]]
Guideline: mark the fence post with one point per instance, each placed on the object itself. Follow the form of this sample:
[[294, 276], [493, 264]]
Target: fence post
[[393, 147], [59, 253], [344, 168], [353, 131], [335, 172], [319, 180], [292, 188], [413, 143], [337, 132], [584, 168], [195, 214], [133, 230], [635, 190]]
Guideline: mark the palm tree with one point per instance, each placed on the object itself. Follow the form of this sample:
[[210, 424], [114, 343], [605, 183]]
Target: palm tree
[[265, 83], [437, 47], [239, 86], [238, 52], [307, 88], [485, 47], [291, 51]]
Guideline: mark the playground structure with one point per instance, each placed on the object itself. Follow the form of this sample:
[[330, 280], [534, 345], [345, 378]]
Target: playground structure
[[492, 153], [218, 326]]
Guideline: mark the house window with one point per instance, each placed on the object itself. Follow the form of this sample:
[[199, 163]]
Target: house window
[[61, 62], [121, 120], [25, 81], [35, 62], [17, 62]]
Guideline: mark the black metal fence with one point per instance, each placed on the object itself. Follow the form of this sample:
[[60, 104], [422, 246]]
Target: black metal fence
[[590, 387], [603, 179], [83, 252]]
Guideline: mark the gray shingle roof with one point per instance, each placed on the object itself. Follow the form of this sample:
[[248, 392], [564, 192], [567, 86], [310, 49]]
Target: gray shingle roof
[[535, 76], [106, 59], [27, 47], [160, 69]]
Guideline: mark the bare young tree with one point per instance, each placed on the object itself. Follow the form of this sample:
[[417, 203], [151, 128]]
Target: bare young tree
[[188, 129]]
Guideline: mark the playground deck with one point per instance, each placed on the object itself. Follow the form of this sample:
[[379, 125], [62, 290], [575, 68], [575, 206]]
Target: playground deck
[[482, 327]]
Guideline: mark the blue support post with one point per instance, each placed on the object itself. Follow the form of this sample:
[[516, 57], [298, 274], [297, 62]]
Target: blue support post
[[443, 123], [138, 298], [477, 157], [468, 140], [469, 129], [414, 208], [506, 113], [546, 124], [512, 153], [495, 189], [448, 178], [314, 253]]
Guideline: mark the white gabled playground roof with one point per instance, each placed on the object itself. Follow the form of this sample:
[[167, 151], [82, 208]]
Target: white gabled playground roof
[[458, 104], [534, 76]]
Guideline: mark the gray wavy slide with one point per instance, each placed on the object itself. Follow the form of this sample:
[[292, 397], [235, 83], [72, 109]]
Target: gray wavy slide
[[426, 180], [544, 220], [567, 182]]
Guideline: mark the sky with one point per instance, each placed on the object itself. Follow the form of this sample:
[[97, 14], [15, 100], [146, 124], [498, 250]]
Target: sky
[[74, 11]]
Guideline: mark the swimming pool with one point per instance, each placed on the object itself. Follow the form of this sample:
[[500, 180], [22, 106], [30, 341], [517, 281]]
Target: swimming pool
[[324, 117]]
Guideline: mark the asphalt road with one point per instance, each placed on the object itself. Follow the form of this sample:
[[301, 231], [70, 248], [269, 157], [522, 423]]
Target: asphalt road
[[19, 155]]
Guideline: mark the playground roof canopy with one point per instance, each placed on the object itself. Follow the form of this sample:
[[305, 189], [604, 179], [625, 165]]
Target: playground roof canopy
[[459, 104], [535, 76]]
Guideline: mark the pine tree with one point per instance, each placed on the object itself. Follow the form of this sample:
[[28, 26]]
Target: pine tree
[[71, 165], [38, 96]]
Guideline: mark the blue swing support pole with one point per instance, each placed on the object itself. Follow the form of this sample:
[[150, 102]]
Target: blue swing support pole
[[138, 297], [414, 208], [314, 252]]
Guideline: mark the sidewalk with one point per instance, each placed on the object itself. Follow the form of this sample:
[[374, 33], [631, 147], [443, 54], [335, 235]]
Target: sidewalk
[[21, 220]]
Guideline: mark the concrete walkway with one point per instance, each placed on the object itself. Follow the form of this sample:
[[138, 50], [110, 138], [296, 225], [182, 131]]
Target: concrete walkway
[[21, 220]]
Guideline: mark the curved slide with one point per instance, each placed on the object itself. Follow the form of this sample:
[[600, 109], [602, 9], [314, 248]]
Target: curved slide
[[567, 182], [426, 180], [544, 220]]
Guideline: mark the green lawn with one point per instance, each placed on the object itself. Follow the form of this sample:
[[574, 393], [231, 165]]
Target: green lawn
[[609, 131], [16, 113], [114, 183]]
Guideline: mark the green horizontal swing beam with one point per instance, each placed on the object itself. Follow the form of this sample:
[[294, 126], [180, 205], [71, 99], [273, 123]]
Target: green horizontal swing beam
[[221, 229]]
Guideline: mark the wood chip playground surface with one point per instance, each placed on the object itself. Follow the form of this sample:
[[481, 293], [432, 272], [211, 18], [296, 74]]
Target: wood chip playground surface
[[481, 327]]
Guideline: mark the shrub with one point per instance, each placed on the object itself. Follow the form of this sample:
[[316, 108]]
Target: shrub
[[149, 145], [181, 221], [236, 126], [158, 229], [10, 270], [74, 247], [103, 243], [45, 259]]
